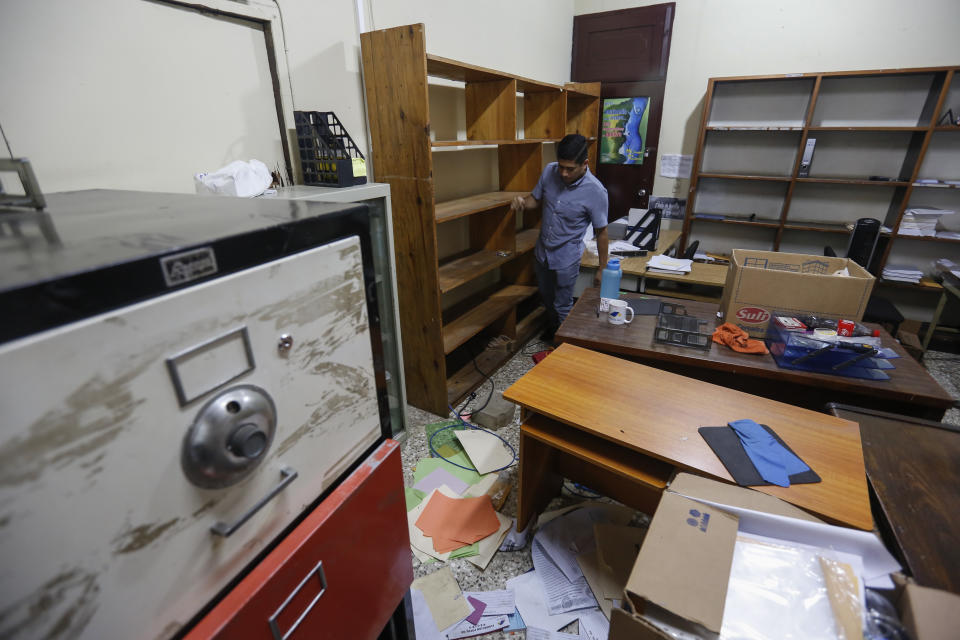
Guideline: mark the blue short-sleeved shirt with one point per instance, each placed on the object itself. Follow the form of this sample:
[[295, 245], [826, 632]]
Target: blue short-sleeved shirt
[[567, 210]]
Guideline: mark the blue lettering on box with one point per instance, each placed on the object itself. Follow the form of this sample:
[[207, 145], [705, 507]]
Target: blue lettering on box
[[698, 520]]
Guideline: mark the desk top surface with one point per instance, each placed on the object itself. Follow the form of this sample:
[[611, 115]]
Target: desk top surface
[[912, 465], [657, 413], [637, 265], [909, 381]]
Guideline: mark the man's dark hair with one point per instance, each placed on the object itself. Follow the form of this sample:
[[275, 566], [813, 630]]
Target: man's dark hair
[[573, 147]]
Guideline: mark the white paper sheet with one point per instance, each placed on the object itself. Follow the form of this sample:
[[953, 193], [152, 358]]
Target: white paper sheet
[[486, 451], [501, 602], [487, 624], [480, 488], [675, 166], [562, 595], [594, 626], [531, 604], [488, 546], [534, 633], [566, 537], [443, 596]]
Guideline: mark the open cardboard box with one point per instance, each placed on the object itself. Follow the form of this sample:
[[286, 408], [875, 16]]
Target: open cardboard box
[[681, 573], [759, 282]]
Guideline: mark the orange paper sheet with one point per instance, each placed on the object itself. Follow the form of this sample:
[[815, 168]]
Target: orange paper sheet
[[454, 522]]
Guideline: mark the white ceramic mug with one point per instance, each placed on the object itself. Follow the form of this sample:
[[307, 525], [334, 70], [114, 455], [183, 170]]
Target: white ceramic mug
[[618, 312]]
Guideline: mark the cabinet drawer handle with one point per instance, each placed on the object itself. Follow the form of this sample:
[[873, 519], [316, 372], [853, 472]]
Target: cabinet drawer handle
[[274, 627], [225, 529]]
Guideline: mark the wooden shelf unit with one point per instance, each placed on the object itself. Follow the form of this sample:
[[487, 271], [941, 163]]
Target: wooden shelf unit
[[866, 123], [446, 354]]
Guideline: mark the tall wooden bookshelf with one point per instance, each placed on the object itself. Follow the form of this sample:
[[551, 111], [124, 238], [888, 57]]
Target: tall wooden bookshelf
[[446, 346], [879, 151]]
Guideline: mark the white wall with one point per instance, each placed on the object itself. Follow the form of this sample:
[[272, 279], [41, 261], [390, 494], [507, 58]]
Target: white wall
[[531, 38], [73, 73], [756, 37]]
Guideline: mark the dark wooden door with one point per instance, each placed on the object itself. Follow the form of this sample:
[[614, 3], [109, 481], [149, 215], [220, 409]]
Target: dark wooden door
[[626, 50]]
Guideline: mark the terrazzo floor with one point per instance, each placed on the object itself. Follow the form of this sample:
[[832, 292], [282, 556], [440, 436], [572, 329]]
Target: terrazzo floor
[[944, 367]]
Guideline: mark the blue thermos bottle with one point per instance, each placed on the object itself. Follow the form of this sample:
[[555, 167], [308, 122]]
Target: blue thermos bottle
[[610, 281]]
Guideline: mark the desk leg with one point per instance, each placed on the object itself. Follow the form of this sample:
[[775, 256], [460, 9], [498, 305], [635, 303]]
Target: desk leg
[[539, 483], [934, 320]]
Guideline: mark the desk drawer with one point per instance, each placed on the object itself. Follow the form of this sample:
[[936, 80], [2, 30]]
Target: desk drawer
[[344, 569]]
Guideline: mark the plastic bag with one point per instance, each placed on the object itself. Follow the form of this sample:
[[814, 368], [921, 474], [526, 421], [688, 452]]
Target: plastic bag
[[238, 179]]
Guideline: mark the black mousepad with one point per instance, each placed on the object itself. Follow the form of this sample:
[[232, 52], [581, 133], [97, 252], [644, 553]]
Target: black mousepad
[[726, 444]]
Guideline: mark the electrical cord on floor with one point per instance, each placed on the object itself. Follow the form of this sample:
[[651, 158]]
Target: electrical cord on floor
[[460, 412], [464, 423]]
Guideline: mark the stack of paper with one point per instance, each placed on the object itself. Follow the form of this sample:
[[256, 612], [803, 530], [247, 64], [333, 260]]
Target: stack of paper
[[921, 221], [902, 273], [663, 264], [461, 520]]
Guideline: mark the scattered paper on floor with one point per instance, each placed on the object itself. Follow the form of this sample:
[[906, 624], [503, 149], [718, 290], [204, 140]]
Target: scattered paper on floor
[[444, 598], [487, 451], [532, 605], [453, 522], [500, 602]]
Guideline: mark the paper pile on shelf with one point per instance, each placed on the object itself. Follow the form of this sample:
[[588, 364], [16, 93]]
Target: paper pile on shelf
[[902, 273], [663, 264], [922, 221]]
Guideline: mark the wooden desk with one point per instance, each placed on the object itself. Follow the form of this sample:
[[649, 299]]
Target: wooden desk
[[651, 418], [910, 390], [709, 275], [912, 467]]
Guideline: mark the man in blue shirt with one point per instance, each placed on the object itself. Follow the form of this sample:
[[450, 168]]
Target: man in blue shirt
[[571, 198]]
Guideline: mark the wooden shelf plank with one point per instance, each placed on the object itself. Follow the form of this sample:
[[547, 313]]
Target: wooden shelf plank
[[767, 224], [453, 209], [871, 183], [768, 129], [582, 89], [474, 321], [868, 128], [731, 176], [468, 378], [817, 226], [928, 238], [937, 185], [526, 240], [463, 270], [925, 284], [449, 69], [444, 144]]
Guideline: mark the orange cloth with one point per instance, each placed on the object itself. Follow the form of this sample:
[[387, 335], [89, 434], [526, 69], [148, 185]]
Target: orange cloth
[[738, 339]]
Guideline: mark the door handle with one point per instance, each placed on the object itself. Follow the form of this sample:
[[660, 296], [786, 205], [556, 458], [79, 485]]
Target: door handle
[[274, 627]]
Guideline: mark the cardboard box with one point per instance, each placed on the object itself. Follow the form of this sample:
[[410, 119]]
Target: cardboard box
[[683, 568], [929, 614], [760, 282]]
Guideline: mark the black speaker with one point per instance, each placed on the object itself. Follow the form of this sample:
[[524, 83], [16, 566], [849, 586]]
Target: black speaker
[[863, 241]]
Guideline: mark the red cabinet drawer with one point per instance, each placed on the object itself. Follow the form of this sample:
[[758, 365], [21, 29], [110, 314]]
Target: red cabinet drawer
[[343, 570]]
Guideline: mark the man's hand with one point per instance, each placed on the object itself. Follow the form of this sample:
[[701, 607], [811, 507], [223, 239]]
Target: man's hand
[[598, 276], [518, 203]]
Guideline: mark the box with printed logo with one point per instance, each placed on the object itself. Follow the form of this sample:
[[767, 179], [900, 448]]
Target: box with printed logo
[[681, 577], [759, 282]]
